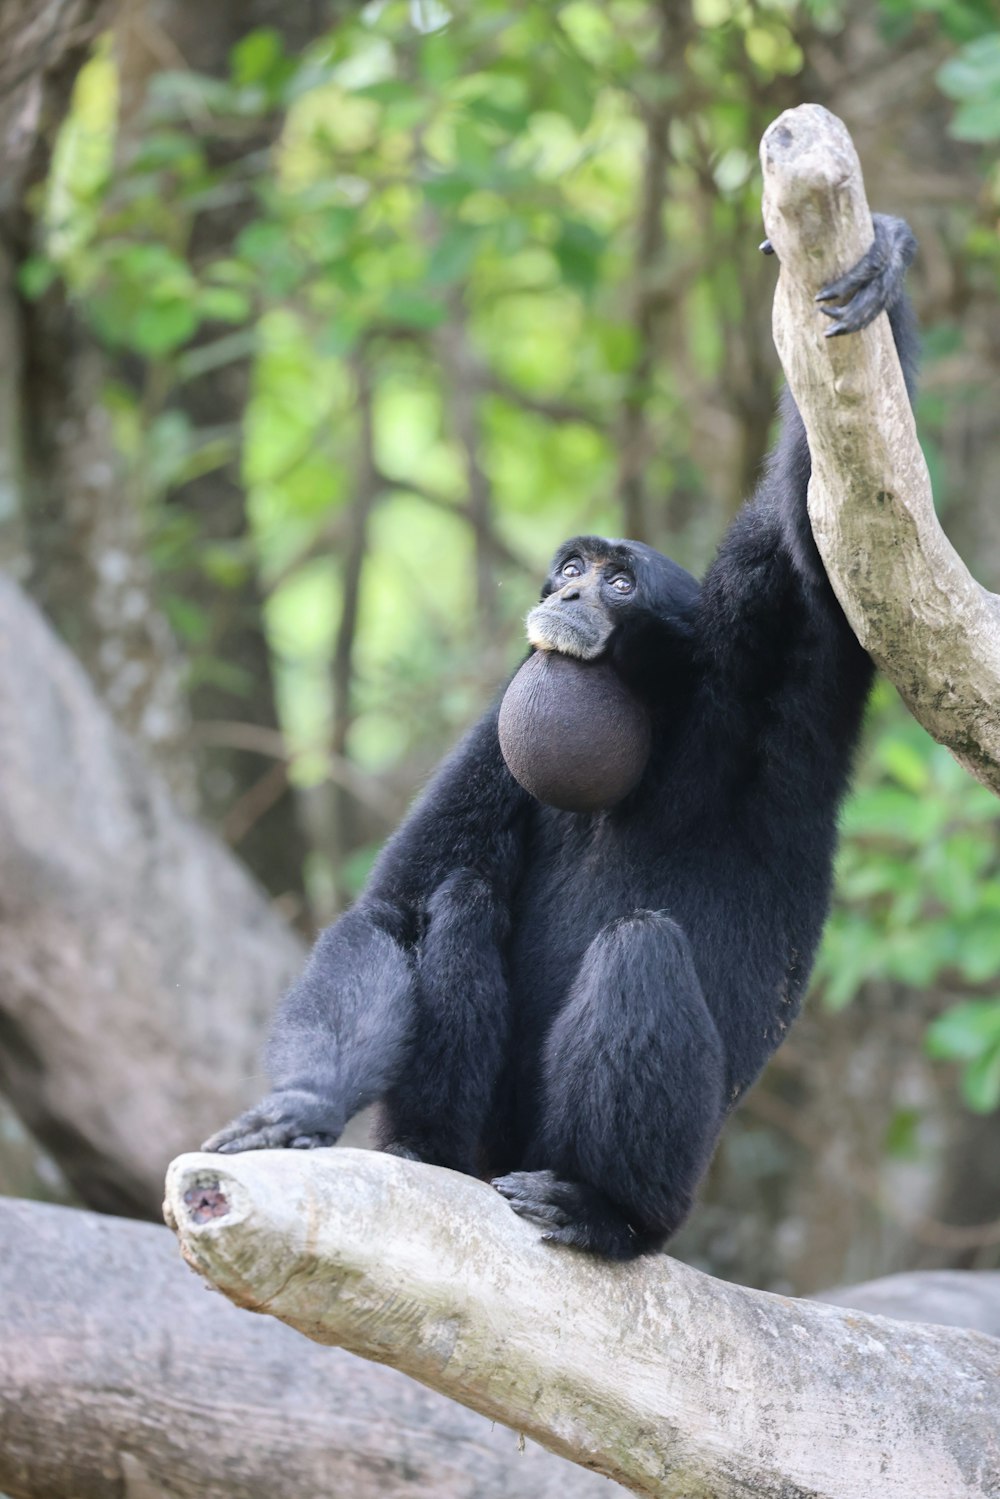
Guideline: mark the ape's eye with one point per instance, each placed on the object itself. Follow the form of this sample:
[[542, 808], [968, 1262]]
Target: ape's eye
[[623, 583], [572, 568]]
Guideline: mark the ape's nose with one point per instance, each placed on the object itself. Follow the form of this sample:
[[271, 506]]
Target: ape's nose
[[570, 592]]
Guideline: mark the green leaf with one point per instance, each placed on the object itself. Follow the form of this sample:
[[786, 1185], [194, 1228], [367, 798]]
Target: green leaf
[[188, 620], [162, 326], [413, 309], [974, 71], [173, 149], [966, 1031], [339, 334], [578, 250], [904, 763], [452, 255], [888, 811], [916, 954], [229, 272], [35, 276], [572, 87], [475, 153], [448, 189], [403, 105], [978, 955], [440, 59], [981, 1081], [225, 304], [257, 57], [847, 964], [266, 246], [973, 78], [511, 120], [977, 120]]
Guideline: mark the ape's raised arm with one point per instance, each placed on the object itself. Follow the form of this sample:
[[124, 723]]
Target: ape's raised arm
[[766, 607]]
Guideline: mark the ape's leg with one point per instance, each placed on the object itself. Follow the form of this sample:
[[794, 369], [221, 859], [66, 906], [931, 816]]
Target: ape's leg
[[633, 1096], [339, 1038], [437, 1108]]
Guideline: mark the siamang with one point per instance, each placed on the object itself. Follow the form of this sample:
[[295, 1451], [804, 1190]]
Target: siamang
[[572, 1003]]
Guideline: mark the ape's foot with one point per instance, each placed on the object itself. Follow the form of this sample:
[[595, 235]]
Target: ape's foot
[[875, 283], [573, 1213], [293, 1119]]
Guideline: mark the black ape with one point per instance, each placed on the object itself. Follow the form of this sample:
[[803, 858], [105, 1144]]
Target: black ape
[[576, 1000]]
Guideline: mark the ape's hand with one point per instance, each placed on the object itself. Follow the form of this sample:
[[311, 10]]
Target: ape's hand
[[855, 299], [289, 1118]]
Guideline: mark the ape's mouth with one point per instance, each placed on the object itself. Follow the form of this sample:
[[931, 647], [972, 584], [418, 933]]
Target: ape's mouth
[[583, 633]]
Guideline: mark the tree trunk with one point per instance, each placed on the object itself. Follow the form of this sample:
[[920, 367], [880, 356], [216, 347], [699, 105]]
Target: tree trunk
[[67, 522]]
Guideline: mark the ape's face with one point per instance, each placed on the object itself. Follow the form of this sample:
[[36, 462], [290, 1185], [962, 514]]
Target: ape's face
[[595, 587], [589, 584]]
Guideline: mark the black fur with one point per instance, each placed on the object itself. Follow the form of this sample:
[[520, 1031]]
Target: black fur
[[575, 1001]]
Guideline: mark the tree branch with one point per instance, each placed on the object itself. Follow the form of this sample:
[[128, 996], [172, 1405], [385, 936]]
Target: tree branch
[[651, 1373], [138, 960], [120, 1375], [461, 369], [911, 601]]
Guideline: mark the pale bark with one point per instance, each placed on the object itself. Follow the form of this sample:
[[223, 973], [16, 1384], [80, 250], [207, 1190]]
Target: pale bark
[[652, 1373], [120, 1375], [914, 606]]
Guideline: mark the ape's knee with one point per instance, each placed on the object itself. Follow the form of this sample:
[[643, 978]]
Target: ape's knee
[[644, 944], [656, 926], [468, 899]]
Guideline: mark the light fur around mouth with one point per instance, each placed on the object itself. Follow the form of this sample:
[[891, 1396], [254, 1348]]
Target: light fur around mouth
[[548, 630]]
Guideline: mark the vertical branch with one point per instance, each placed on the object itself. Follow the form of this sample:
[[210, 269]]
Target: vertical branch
[[908, 596], [355, 549], [634, 442], [464, 386]]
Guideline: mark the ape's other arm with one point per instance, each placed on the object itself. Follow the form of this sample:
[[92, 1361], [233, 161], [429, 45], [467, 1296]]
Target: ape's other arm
[[419, 951]]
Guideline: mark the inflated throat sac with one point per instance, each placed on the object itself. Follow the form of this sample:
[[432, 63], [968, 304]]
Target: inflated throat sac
[[572, 733]]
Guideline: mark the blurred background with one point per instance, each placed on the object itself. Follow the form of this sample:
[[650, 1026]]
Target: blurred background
[[327, 323]]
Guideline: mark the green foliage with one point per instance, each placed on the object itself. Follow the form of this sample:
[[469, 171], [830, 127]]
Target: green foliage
[[973, 78], [471, 168], [970, 1033], [918, 896]]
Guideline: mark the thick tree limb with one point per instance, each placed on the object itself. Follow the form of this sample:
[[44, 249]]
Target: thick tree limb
[[912, 603], [652, 1373], [119, 1375], [138, 960]]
